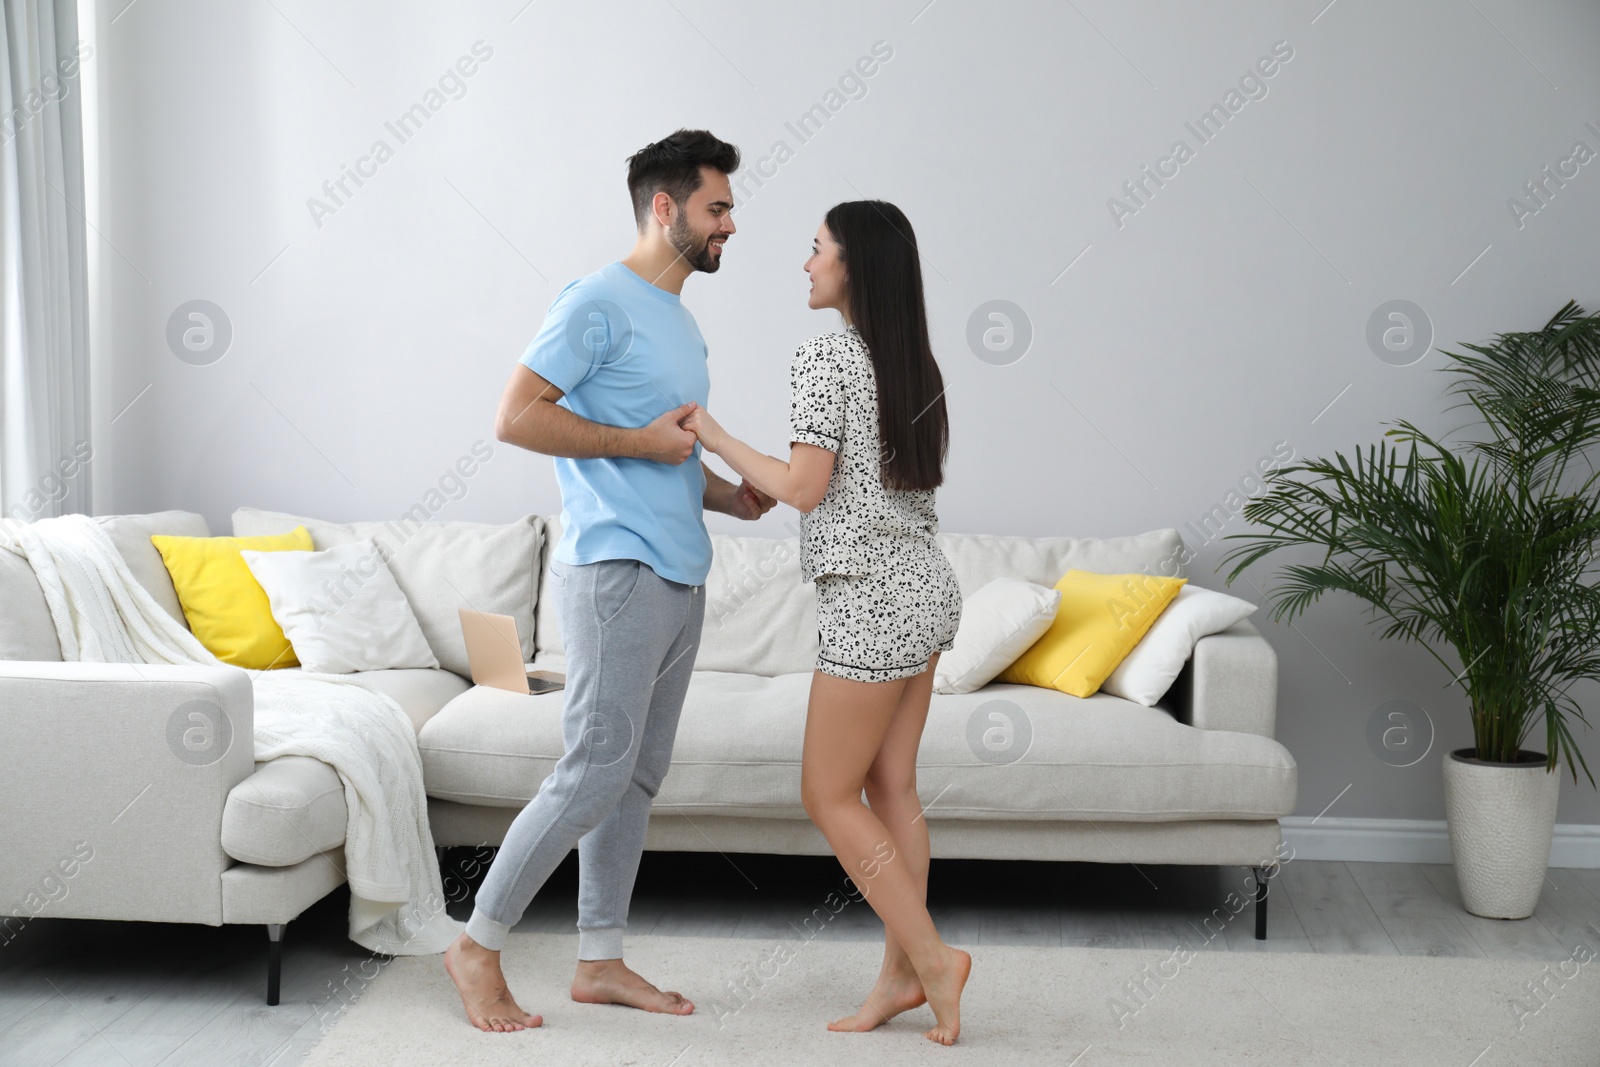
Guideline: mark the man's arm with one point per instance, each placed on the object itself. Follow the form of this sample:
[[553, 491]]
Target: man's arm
[[718, 490], [742, 501], [530, 418]]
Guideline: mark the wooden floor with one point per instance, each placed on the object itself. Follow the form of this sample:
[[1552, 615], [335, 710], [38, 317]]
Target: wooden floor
[[79, 993]]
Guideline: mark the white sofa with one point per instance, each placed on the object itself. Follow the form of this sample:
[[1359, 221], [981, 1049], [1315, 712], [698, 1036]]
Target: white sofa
[[89, 763]]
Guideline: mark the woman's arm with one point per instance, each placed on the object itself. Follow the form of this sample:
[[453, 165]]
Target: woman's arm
[[801, 483]]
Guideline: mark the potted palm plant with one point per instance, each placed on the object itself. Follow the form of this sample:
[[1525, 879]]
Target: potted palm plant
[[1486, 550]]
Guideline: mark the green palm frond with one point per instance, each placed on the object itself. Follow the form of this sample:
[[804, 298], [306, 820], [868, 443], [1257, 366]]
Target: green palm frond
[[1487, 549]]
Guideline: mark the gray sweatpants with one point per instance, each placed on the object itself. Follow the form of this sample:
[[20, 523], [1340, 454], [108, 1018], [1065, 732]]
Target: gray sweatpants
[[630, 637]]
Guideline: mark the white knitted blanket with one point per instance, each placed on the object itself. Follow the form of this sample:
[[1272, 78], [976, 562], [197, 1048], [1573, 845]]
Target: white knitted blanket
[[102, 614]]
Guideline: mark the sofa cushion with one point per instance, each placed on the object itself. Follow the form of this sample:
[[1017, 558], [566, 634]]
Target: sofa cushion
[[979, 559], [420, 692], [1148, 671], [440, 566], [761, 618], [26, 630], [293, 806], [227, 609], [739, 742], [131, 536], [341, 609], [1099, 620], [998, 623], [1018, 751]]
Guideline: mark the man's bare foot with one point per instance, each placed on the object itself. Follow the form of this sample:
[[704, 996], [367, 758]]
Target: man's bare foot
[[943, 987], [476, 972], [611, 982], [895, 992]]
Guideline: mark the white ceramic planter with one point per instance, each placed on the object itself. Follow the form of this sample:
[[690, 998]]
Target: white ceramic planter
[[1502, 817]]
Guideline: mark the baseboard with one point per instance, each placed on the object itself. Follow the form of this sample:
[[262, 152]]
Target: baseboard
[[1415, 841]]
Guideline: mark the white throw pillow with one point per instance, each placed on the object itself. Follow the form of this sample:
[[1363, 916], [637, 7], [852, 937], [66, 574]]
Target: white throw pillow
[[1146, 673], [341, 609], [998, 623], [440, 565]]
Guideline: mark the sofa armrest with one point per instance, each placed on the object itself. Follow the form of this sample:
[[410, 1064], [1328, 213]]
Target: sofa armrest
[[120, 773], [1230, 683]]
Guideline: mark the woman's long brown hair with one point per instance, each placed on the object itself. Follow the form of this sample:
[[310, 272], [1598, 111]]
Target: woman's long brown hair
[[883, 280]]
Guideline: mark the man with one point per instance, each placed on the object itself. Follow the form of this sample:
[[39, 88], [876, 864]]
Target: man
[[618, 363]]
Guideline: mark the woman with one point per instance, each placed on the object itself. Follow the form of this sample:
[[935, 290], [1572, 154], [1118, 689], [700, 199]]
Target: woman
[[868, 437]]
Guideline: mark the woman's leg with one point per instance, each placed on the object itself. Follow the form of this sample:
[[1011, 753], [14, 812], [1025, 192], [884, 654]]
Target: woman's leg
[[891, 787], [846, 724]]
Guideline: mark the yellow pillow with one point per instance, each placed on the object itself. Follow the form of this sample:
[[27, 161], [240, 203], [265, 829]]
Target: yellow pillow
[[1100, 618], [226, 607]]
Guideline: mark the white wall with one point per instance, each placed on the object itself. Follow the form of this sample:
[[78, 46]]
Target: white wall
[[1224, 319]]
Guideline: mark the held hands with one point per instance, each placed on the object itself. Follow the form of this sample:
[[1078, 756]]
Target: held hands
[[670, 438], [748, 502], [744, 501], [665, 440], [700, 423]]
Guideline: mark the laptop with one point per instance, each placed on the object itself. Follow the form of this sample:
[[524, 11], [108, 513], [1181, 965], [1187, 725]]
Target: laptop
[[495, 652]]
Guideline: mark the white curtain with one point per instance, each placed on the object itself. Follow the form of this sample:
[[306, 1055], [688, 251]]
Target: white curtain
[[45, 446]]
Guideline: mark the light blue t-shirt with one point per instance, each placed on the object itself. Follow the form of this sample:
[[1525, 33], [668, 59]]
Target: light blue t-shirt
[[623, 351]]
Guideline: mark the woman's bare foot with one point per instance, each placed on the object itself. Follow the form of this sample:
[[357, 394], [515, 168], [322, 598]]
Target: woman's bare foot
[[943, 987], [611, 982], [895, 992], [476, 972]]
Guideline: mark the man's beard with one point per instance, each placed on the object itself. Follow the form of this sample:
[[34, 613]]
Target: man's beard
[[695, 251]]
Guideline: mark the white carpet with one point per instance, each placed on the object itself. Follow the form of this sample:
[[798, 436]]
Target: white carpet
[[1022, 1006]]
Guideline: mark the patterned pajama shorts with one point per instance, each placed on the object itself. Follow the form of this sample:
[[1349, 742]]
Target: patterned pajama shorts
[[884, 626]]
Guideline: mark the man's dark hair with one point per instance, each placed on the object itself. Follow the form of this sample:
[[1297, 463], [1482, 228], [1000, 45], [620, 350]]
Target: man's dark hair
[[672, 166]]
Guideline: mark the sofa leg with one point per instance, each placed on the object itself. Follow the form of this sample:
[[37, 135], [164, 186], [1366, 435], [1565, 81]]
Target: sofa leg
[[1261, 901], [274, 961]]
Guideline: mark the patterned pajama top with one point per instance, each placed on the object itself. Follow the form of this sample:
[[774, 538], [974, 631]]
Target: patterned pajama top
[[887, 598]]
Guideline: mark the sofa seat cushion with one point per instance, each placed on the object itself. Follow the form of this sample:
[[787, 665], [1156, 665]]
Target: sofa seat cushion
[[293, 807], [420, 691], [493, 747], [739, 742], [1101, 758]]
